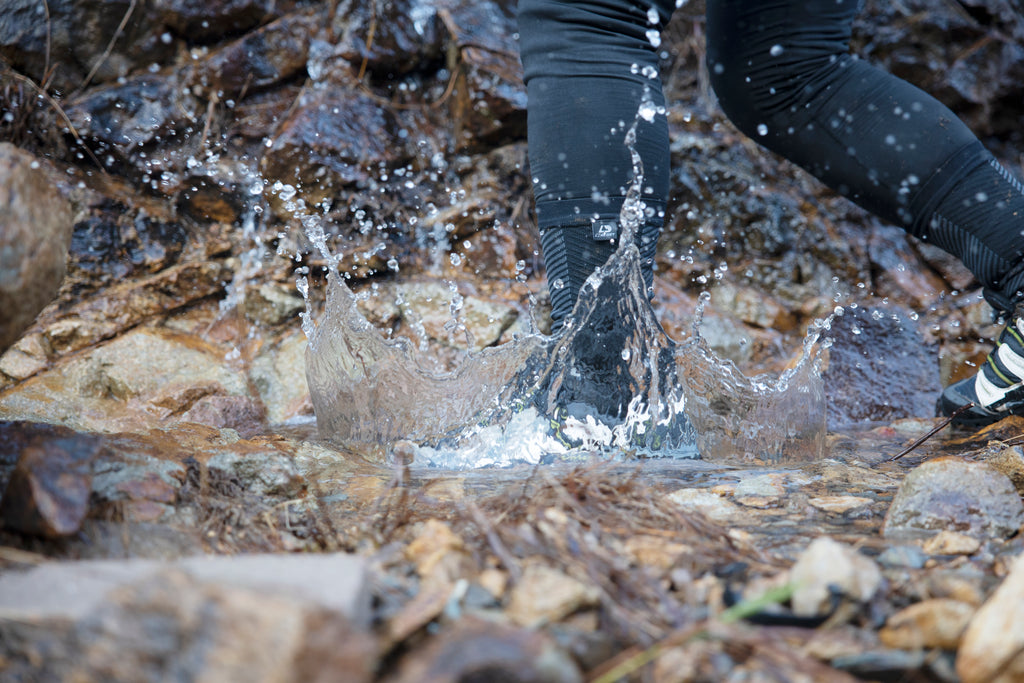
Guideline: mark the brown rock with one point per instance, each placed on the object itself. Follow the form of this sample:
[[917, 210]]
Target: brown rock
[[279, 375], [992, 649], [955, 494], [928, 624], [259, 59], [948, 542], [1010, 461], [544, 595], [839, 504], [48, 492], [204, 19], [35, 231], [336, 136], [80, 32], [752, 306]]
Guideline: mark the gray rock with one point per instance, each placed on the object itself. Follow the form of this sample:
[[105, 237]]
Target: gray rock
[[253, 618], [266, 473], [35, 231], [955, 494], [279, 375], [71, 590]]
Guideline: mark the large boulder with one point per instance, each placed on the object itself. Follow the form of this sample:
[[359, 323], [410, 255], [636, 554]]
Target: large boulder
[[35, 231]]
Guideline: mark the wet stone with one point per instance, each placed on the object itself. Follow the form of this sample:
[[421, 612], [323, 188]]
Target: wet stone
[[202, 20], [35, 230], [80, 32], [48, 492], [272, 304], [958, 495], [260, 59], [430, 304], [334, 138], [873, 347], [123, 117], [406, 36], [1010, 461], [279, 375]]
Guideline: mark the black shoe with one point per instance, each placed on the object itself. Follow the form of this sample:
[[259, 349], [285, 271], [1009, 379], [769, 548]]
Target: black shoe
[[997, 390]]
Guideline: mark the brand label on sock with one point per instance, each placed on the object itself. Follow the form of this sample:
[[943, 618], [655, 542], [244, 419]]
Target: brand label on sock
[[605, 230]]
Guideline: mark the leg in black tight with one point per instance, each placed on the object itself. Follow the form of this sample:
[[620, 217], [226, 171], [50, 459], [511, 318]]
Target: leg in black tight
[[588, 66], [782, 73]]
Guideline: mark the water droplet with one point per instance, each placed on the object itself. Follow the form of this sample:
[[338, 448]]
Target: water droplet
[[762, 129], [776, 50]]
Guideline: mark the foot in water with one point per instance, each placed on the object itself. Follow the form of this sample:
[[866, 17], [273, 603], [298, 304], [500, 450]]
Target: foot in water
[[997, 390], [612, 380]]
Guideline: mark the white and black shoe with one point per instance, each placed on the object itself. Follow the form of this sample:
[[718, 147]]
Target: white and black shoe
[[997, 390]]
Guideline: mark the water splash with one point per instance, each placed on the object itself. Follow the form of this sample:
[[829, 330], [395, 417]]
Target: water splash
[[612, 381]]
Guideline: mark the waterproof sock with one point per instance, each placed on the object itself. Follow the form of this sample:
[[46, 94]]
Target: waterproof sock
[[573, 250], [980, 219]]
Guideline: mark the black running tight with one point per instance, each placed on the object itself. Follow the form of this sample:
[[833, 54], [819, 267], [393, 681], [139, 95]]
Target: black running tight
[[783, 74]]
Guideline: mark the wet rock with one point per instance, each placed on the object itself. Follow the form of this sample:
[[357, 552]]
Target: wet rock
[[900, 273], [260, 59], [123, 117], [145, 377], [979, 81], [928, 624], [430, 304], [992, 646], [752, 307], [143, 488], [32, 35], [955, 494], [478, 650], [260, 618], [198, 20], [272, 304], [544, 595], [240, 413], [1010, 461], [35, 230], [279, 375], [873, 347], [389, 40], [827, 567], [113, 241], [267, 473], [489, 105], [133, 302], [48, 492], [948, 542], [337, 135]]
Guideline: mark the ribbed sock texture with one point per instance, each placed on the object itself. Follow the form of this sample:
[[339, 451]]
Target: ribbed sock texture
[[571, 254]]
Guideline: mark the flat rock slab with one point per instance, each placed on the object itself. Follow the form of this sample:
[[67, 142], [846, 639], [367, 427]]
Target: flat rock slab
[[72, 590]]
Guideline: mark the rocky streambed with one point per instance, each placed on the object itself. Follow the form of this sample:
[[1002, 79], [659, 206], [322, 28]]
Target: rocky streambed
[[170, 510]]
